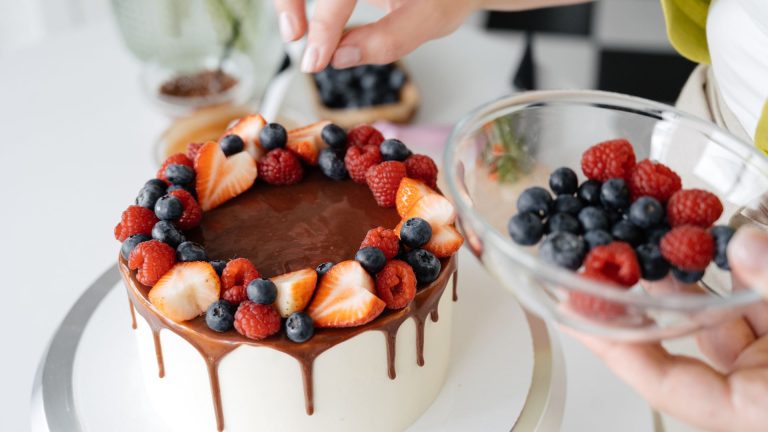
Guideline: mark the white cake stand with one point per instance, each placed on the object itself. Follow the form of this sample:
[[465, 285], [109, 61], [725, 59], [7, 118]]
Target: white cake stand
[[507, 370]]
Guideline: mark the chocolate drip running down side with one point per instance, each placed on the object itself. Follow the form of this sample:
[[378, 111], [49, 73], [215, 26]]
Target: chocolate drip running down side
[[214, 346]]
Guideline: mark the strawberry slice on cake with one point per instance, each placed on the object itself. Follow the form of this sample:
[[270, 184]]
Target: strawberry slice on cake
[[345, 297], [221, 178]]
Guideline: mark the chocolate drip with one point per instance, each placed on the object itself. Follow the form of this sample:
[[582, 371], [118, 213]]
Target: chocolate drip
[[158, 353], [133, 314], [434, 315], [455, 284], [309, 385]]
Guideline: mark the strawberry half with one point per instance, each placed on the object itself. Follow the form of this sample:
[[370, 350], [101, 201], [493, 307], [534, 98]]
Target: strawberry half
[[345, 297], [409, 192], [445, 241], [248, 129], [306, 142], [294, 290], [221, 178], [186, 291], [433, 208]]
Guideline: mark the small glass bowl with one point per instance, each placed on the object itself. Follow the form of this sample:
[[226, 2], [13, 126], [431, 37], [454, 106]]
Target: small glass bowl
[[238, 66], [501, 148]]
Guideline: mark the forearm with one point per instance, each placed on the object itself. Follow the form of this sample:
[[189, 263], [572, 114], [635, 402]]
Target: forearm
[[518, 5]]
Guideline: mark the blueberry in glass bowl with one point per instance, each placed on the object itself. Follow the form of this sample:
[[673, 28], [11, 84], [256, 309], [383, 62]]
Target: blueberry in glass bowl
[[666, 275]]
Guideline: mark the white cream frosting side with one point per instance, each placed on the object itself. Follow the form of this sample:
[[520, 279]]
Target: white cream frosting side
[[261, 388]]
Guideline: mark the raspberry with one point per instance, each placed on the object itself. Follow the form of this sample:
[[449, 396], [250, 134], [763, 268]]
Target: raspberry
[[235, 277], [421, 167], [396, 284], [363, 135], [152, 259], [616, 261], [193, 149], [176, 159], [235, 295], [256, 321], [593, 306], [135, 220], [608, 159], [359, 159], [693, 207], [653, 179], [192, 214], [688, 247], [280, 167], [384, 239], [383, 180]]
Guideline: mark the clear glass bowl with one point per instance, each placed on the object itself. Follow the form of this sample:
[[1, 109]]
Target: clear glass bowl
[[513, 143]]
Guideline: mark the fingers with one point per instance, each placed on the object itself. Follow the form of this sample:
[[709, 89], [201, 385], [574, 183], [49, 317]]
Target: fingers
[[325, 29], [748, 257], [292, 19], [683, 387], [725, 342], [400, 32]]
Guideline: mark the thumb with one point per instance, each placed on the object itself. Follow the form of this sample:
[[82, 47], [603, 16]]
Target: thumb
[[748, 258]]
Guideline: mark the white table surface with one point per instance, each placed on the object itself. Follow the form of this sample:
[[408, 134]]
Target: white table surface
[[76, 137]]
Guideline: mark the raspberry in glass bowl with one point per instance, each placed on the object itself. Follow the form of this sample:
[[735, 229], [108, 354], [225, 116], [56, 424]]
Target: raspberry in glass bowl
[[606, 213]]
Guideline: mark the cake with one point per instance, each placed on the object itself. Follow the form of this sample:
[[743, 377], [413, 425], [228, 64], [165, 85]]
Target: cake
[[291, 281]]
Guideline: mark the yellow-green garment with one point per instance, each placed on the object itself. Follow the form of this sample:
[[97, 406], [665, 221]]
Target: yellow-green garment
[[687, 30]]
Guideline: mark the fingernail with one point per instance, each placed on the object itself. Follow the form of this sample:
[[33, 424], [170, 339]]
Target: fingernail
[[309, 62], [347, 56], [287, 30], [749, 247]]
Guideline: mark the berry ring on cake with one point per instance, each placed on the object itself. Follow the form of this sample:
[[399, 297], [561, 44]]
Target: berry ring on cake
[[291, 280]]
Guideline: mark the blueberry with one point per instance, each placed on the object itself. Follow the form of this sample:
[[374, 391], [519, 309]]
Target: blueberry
[[564, 249], [299, 327], [425, 265], [220, 316], [653, 266], [369, 81], [687, 276], [567, 204], [272, 136], [654, 235], [332, 164], [589, 192], [597, 238], [261, 291], [371, 258], [149, 194], [179, 174], [614, 216], [156, 183], [190, 251], [323, 268], [525, 228], [722, 235], [167, 233], [394, 149], [535, 199], [593, 218], [187, 188], [415, 232], [646, 212], [626, 231], [335, 136], [397, 79], [218, 266], [168, 207], [614, 194], [563, 181], [131, 242], [563, 222], [231, 144]]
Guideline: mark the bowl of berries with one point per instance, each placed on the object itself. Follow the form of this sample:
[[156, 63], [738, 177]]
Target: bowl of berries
[[607, 213]]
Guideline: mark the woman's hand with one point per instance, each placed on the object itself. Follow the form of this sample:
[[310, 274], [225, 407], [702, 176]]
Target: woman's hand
[[407, 25], [730, 394]]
